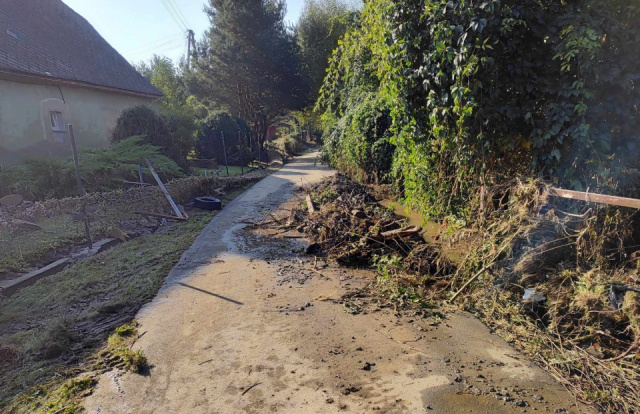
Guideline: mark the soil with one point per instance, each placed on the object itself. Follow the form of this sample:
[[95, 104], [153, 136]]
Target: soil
[[246, 323]]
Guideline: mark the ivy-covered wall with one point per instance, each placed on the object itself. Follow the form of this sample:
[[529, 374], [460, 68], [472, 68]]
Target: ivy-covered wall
[[481, 91]]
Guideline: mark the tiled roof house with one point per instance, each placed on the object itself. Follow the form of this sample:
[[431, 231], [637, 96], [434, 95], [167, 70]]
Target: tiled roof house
[[56, 69]]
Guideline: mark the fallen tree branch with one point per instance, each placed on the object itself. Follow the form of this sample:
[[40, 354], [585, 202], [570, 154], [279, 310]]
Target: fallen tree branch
[[477, 275], [595, 198], [625, 353], [400, 233]]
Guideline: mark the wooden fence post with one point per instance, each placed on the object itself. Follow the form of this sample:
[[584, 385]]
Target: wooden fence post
[[81, 190], [224, 148]]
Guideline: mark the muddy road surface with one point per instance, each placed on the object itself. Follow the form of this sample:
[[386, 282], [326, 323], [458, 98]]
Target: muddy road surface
[[246, 324]]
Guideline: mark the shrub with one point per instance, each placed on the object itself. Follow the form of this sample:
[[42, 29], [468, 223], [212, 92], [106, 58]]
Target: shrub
[[236, 139], [359, 143], [100, 169], [481, 92], [172, 130], [182, 127]]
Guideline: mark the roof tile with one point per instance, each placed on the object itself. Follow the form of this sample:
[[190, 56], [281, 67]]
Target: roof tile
[[53, 38]]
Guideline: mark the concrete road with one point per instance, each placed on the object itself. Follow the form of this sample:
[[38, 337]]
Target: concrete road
[[244, 324]]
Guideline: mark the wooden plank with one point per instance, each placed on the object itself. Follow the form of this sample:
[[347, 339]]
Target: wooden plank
[[595, 198], [164, 190], [22, 224], [137, 183], [310, 205], [9, 287], [151, 214]]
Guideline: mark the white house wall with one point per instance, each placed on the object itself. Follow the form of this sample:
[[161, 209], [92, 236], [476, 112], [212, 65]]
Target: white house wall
[[25, 124]]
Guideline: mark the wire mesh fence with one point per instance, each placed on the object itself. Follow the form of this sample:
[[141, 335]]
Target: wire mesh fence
[[34, 234]]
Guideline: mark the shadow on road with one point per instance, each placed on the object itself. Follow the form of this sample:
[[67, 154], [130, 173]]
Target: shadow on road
[[211, 294]]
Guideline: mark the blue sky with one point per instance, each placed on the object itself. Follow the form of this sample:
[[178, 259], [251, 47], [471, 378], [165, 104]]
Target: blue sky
[[140, 28]]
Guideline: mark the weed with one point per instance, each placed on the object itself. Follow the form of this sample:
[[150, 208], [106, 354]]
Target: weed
[[126, 330], [326, 196], [54, 396]]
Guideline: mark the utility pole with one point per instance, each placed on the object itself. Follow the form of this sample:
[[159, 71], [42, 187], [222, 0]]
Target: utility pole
[[190, 38]]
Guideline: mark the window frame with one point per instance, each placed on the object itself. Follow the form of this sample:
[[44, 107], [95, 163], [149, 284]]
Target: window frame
[[57, 121]]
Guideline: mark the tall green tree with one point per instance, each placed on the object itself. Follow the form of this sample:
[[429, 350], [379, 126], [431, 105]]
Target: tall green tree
[[322, 23], [165, 76], [180, 110], [249, 62]]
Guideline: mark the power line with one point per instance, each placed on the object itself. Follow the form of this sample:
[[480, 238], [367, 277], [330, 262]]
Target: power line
[[162, 46], [159, 52], [174, 43], [173, 15], [155, 43], [179, 12]]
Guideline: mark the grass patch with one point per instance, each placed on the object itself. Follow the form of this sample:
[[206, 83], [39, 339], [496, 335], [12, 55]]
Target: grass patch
[[119, 350], [52, 330], [66, 399], [19, 252], [55, 396]]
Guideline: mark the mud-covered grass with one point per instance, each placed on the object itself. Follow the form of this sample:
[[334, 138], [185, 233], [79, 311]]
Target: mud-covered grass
[[64, 396], [557, 281], [112, 214], [50, 329], [21, 250]]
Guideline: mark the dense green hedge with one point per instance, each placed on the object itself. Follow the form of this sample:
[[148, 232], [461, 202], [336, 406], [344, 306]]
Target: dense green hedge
[[100, 169], [481, 91], [172, 130], [237, 136]]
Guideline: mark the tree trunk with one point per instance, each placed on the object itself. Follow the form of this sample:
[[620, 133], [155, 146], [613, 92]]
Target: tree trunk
[[260, 126]]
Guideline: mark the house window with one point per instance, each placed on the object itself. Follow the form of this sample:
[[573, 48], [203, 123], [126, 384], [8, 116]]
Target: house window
[[57, 122], [58, 126]]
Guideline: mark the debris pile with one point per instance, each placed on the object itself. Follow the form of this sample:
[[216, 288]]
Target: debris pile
[[560, 282], [343, 220]]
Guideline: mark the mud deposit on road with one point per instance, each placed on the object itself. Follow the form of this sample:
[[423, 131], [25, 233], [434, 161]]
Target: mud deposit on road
[[253, 325], [378, 359]]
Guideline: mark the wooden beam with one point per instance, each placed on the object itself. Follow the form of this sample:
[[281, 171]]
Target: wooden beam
[[310, 207], [81, 190], [137, 183], [400, 233], [166, 216], [595, 198], [164, 190]]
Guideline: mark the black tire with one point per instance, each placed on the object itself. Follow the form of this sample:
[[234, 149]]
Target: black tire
[[207, 203]]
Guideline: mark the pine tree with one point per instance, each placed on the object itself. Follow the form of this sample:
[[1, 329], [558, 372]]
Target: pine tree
[[249, 62]]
